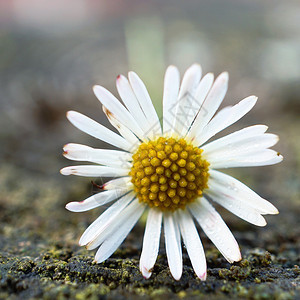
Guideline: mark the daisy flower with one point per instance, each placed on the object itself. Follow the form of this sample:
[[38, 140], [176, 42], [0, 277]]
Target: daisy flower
[[171, 169]]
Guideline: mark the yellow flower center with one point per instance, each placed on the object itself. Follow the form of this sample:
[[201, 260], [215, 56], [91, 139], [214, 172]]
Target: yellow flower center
[[168, 173]]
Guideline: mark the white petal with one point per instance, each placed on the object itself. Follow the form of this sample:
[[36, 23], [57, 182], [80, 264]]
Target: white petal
[[151, 242], [244, 147], [210, 104], [127, 95], [105, 219], [94, 171], [120, 230], [200, 94], [144, 99], [113, 228], [173, 245], [228, 185], [191, 78], [122, 182], [210, 129], [237, 136], [123, 130], [97, 130], [171, 89], [96, 200], [226, 117], [193, 243], [100, 156], [237, 207], [185, 109], [260, 158], [115, 225], [216, 229], [203, 88], [116, 108], [199, 97]]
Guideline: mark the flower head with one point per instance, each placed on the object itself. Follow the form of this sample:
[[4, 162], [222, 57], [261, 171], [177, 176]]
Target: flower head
[[170, 170]]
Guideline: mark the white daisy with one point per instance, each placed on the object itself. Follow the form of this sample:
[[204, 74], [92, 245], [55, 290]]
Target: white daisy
[[170, 170]]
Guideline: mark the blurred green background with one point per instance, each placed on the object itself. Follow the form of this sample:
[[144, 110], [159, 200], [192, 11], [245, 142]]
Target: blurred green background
[[53, 52]]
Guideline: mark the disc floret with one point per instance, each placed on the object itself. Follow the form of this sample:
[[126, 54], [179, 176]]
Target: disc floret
[[168, 173]]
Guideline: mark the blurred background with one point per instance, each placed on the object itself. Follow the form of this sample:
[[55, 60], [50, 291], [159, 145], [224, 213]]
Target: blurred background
[[53, 52]]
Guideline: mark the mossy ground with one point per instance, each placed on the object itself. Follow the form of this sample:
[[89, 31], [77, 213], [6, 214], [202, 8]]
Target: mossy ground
[[62, 272]]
